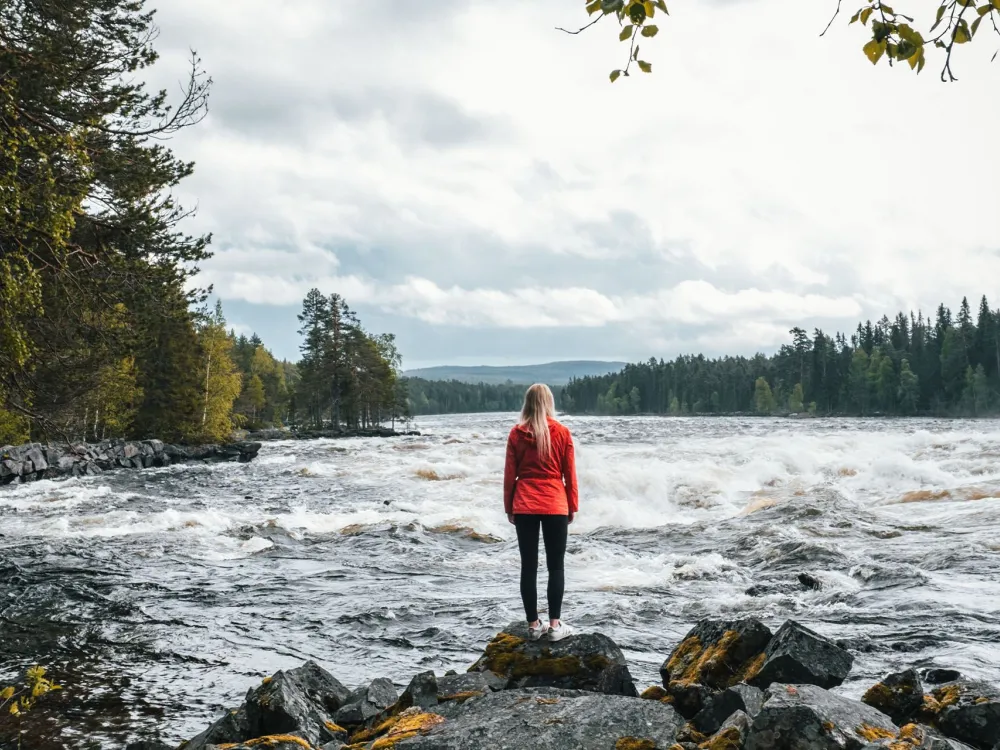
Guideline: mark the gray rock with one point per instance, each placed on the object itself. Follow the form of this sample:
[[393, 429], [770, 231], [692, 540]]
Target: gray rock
[[546, 718], [459, 686], [968, 711], [917, 737], [367, 702], [717, 653], [733, 733], [131, 450], [422, 692], [148, 745], [900, 696], [720, 707], [588, 661], [807, 717], [801, 656], [941, 676], [301, 701], [231, 728]]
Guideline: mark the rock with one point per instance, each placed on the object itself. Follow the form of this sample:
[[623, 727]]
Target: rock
[[131, 450], [231, 728], [148, 745], [966, 710], [470, 684], [941, 676], [367, 702], [422, 692], [732, 735], [807, 717], [689, 698], [717, 653], [900, 696], [301, 701], [720, 707], [588, 661], [917, 737], [541, 718], [810, 581], [799, 655], [275, 742]]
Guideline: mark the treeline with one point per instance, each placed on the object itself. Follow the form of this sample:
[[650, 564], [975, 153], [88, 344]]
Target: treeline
[[456, 397], [103, 333], [946, 365]]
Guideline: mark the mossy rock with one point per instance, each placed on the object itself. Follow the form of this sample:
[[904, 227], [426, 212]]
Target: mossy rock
[[900, 696], [589, 661], [717, 654], [967, 710]]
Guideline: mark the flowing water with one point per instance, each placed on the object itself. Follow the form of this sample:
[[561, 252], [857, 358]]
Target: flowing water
[[159, 597]]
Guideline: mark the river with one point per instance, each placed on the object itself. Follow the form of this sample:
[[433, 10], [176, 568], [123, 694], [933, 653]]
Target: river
[[158, 597]]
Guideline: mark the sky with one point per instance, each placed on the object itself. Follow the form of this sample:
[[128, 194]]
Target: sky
[[467, 177]]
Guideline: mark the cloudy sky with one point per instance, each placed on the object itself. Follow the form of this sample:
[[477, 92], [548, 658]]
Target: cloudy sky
[[467, 177]]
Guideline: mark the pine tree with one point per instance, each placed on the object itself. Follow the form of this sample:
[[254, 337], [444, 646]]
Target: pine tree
[[908, 394]]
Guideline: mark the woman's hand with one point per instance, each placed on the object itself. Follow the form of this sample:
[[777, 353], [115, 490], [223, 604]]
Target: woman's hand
[[510, 518], [570, 517]]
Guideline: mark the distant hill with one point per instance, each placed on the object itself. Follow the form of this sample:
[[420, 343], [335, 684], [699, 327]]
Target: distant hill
[[552, 373]]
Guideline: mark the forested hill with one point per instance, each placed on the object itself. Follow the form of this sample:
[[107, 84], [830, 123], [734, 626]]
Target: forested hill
[[456, 397], [553, 373], [945, 365]]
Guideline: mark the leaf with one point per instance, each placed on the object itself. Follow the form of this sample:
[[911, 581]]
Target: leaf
[[996, 4], [874, 50], [940, 15], [594, 7], [644, 66], [626, 33], [648, 7], [962, 34], [865, 15], [663, 6], [614, 75], [14, 709], [7, 693], [985, 9], [917, 60], [635, 53], [855, 17], [650, 31], [975, 25]]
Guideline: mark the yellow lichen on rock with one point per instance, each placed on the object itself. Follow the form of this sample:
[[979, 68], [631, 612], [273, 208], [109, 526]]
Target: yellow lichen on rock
[[692, 662], [333, 727], [461, 697], [873, 733], [635, 743], [269, 741], [406, 727], [727, 739], [654, 693]]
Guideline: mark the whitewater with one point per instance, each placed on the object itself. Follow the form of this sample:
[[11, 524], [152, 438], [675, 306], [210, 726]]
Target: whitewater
[[157, 597]]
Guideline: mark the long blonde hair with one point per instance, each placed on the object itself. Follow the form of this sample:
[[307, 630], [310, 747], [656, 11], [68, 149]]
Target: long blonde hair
[[539, 407]]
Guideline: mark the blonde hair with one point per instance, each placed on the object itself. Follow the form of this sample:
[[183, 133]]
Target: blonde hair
[[539, 407]]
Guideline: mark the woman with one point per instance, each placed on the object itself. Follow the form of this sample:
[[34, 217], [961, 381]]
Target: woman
[[539, 491]]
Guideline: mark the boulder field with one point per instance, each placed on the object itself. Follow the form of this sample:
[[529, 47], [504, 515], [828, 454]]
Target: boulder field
[[729, 685]]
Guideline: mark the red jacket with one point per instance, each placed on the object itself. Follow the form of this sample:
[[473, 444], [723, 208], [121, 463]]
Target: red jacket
[[531, 485]]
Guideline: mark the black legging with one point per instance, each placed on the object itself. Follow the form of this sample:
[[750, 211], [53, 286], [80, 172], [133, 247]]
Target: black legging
[[554, 532]]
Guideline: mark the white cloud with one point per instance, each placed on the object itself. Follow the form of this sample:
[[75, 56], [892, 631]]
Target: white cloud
[[470, 150]]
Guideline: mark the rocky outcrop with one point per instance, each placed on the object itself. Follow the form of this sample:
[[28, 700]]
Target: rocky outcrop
[[799, 655], [32, 461], [577, 694], [589, 661]]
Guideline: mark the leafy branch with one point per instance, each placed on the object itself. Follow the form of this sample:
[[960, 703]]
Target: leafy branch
[[19, 700]]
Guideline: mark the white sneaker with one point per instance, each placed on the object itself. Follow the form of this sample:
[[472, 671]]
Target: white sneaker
[[537, 631], [562, 630]]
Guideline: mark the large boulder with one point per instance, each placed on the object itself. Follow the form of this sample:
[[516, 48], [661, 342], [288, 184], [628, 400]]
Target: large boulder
[[302, 702], [718, 708], [422, 692], [900, 696], [917, 737], [230, 729], [801, 656], [714, 655], [537, 718], [367, 702], [807, 717], [589, 661], [966, 710]]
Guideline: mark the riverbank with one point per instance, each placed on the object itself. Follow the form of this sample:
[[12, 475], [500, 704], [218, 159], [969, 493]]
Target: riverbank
[[728, 685], [34, 461]]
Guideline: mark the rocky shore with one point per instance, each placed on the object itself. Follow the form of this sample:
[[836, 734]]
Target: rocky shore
[[729, 685], [25, 463]]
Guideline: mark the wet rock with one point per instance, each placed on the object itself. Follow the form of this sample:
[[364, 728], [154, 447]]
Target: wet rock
[[461, 686], [900, 696], [689, 698], [301, 701], [732, 735], [231, 728], [917, 737], [367, 702], [720, 707], [810, 581], [799, 655], [807, 717], [422, 692], [860, 643], [588, 661], [966, 710], [277, 742], [941, 676], [548, 718], [717, 653], [148, 745]]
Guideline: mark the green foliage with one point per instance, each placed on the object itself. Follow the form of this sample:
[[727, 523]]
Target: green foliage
[[18, 700], [458, 397], [894, 36], [908, 365], [222, 380]]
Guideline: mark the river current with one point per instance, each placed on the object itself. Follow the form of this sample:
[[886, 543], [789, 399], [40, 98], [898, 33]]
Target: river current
[[158, 597]]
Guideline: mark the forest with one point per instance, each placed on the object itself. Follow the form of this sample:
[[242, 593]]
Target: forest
[[945, 365], [104, 331], [457, 397]]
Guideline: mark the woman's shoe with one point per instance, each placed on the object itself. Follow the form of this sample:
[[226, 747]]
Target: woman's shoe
[[562, 630], [537, 631]]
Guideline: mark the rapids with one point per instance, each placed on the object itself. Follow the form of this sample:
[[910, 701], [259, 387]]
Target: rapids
[[158, 597]]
